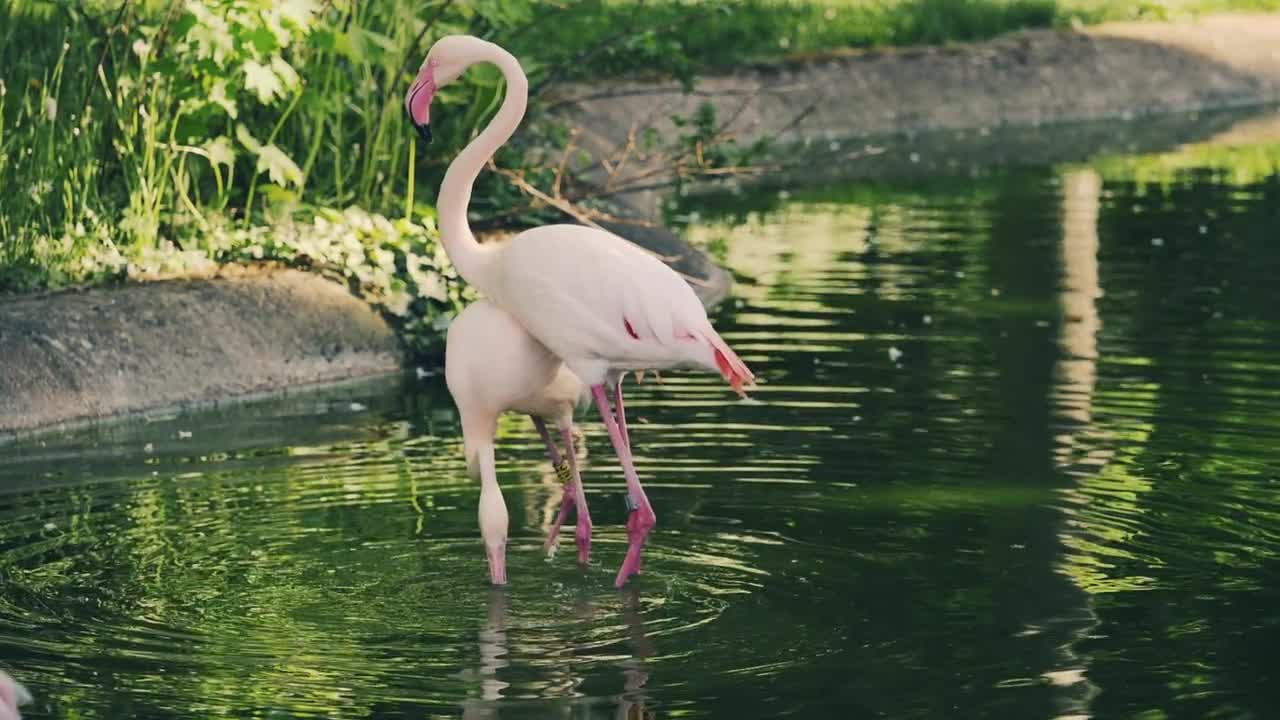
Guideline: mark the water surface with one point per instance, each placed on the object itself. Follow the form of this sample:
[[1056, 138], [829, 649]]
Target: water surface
[[1014, 455]]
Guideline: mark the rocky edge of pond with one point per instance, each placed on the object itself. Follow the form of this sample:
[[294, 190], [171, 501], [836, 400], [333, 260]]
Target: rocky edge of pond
[[85, 355]]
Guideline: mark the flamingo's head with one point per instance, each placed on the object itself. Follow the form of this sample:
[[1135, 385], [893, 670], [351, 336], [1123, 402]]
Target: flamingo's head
[[448, 58]]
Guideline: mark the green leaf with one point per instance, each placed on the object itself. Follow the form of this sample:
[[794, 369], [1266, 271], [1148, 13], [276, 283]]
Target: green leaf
[[220, 151], [248, 140], [218, 96], [280, 167], [278, 195], [344, 45], [284, 71], [262, 81], [298, 12]]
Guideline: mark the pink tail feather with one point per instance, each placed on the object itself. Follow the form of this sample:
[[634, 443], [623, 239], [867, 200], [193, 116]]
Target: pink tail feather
[[735, 372]]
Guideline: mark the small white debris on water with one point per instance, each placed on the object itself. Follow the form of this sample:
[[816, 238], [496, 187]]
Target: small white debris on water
[[148, 448], [894, 354], [1204, 229], [914, 157], [995, 292], [50, 526], [1157, 242], [184, 434], [959, 273], [1042, 323], [357, 407], [857, 418], [927, 319]]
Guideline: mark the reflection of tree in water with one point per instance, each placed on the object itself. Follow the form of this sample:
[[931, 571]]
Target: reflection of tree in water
[[952, 474], [1075, 379], [1167, 536]]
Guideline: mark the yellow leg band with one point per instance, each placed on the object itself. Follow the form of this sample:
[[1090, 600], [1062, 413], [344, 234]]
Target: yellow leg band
[[562, 471]]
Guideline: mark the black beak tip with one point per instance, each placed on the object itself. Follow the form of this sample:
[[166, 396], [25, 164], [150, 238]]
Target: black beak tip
[[424, 131]]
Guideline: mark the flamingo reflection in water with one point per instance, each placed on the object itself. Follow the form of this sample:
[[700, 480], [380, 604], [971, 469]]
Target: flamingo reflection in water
[[494, 645]]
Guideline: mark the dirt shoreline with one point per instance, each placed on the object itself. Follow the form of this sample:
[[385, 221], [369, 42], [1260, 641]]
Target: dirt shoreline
[[80, 356]]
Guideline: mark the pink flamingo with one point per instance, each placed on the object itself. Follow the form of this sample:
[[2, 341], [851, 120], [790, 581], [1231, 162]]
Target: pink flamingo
[[598, 302], [493, 366], [12, 694]]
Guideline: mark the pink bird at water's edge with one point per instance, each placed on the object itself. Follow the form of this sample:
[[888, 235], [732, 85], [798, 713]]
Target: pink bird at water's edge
[[598, 302], [493, 366], [12, 694]]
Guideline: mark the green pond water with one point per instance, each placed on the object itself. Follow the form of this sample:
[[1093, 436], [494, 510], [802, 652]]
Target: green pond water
[[1015, 454]]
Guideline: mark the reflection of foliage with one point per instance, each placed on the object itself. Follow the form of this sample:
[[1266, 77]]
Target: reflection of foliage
[[1231, 164]]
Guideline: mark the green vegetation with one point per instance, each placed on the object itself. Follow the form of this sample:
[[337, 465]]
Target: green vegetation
[[140, 137], [1232, 165]]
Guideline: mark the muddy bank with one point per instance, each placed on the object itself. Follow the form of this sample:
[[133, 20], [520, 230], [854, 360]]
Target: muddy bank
[[106, 352], [1017, 83]]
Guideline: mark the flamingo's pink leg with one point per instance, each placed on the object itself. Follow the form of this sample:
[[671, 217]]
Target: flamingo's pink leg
[[562, 470], [641, 519], [622, 412], [582, 534], [626, 436], [553, 452]]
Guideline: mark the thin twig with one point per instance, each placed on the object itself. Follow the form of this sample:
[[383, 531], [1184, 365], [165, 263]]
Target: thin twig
[[560, 204], [564, 161], [799, 118], [162, 36], [106, 45], [413, 51], [627, 149], [583, 216]]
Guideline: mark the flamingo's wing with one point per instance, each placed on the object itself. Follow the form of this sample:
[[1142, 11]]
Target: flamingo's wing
[[589, 294], [605, 297]]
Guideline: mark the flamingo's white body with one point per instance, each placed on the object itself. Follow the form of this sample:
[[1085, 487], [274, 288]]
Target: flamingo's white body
[[493, 366], [601, 304], [12, 694]]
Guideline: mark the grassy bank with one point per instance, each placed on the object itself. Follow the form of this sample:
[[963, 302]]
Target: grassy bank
[[149, 137]]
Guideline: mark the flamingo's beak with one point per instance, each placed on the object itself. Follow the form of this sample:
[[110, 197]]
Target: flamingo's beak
[[417, 104]]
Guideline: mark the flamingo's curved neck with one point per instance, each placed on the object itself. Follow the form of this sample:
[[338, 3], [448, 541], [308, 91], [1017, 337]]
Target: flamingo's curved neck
[[471, 258]]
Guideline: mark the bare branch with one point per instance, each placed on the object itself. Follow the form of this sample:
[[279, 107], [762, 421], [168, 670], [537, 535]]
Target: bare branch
[[413, 50], [560, 204], [564, 161]]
